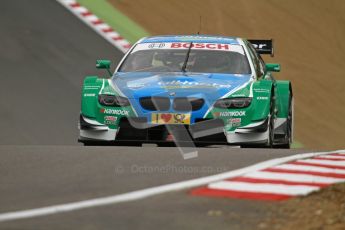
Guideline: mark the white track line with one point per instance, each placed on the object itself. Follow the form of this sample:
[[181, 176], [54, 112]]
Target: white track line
[[144, 193], [333, 157], [309, 168], [295, 177], [323, 162], [280, 189]]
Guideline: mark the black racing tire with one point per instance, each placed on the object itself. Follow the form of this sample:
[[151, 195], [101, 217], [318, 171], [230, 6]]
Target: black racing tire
[[289, 127], [269, 143], [270, 140]]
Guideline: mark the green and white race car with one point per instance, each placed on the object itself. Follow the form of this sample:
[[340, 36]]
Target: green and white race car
[[196, 89]]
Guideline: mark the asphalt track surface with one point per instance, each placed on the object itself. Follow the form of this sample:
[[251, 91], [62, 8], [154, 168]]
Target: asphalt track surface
[[45, 54]]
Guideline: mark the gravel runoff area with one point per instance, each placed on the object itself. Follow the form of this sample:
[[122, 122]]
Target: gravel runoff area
[[323, 210]]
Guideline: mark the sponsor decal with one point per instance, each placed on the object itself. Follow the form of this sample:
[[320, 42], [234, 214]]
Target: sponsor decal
[[238, 95], [110, 120], [230, 114], [179, 118], [195, 46], [170, 118], [262, 90], [259, 46], [135, 85], [191, 84], [115, 111], [211, 46], [89, 94], [234, 122], [262, 98], [156, 45], [107, 92]]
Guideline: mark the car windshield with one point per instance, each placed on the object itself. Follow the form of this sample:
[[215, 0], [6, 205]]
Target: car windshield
[[203, 58]]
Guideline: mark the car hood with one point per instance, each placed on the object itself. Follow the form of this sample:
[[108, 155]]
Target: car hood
[[135, 85]]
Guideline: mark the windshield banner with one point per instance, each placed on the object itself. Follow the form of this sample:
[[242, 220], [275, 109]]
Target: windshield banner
[[185, 45]]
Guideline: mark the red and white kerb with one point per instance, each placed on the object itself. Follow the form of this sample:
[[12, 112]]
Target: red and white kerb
[[281, 182], [97, 24]]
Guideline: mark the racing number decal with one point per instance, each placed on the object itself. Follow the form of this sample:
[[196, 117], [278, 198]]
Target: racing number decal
[[170, 118]]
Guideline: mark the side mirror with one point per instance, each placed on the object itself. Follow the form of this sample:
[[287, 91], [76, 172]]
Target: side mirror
[[104, 64], [273, 67]]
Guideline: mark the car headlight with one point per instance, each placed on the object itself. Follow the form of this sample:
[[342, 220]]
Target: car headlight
[[112, 100], [228, 103]]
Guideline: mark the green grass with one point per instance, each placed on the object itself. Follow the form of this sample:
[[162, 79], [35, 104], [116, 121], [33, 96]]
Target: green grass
[[296, 145], [126, 27]]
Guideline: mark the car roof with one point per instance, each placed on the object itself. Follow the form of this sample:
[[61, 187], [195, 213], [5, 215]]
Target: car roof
[[192, 38]]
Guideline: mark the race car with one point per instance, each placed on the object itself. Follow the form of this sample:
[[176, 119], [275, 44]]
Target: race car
[[196, 89]]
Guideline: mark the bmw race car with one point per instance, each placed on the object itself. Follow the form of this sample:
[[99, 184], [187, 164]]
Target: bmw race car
[[196, 89]]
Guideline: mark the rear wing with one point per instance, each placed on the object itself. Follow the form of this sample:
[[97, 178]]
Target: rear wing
[[263, 46]]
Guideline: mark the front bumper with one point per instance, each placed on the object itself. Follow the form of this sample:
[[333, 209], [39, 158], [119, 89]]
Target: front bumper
[[247, 138], [204, 131], [93, 130], [254, 133]]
